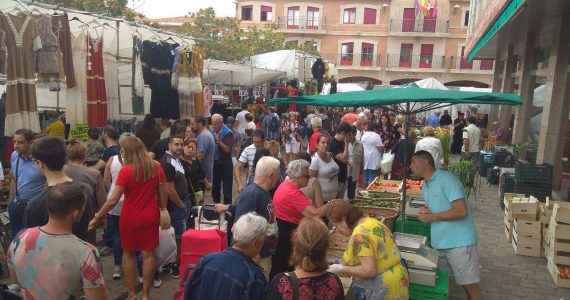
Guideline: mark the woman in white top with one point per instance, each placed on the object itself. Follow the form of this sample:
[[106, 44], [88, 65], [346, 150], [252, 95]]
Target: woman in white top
[[313, 190], [325, 169], [432, 145], [373, 149]]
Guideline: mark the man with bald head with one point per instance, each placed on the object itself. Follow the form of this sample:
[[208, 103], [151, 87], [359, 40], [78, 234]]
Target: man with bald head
[[223, 165]]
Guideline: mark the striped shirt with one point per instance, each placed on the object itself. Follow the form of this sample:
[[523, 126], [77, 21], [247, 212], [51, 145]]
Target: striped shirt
[[247, 156]]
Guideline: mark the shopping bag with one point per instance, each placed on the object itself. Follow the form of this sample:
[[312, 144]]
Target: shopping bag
[[166, 250], [206, 223], [387, 160]]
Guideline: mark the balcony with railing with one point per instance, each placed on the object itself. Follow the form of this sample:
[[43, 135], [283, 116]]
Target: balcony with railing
[[419, 26], [290, 24], [461, 64], [416, 61], [354, 60]]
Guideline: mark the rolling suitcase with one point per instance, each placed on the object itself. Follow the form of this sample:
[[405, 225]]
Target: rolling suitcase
[[197, 243]]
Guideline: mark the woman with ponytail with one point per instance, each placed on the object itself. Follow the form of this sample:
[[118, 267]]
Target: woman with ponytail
[[310, 280]]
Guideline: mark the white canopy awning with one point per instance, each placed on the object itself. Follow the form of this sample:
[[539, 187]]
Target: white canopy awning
[[227, 73], [294, 63]]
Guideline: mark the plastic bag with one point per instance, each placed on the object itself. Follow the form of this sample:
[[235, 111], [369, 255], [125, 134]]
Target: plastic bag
[[387, 160], [166, 250]]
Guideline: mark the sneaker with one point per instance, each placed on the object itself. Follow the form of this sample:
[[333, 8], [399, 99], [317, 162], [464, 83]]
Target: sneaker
[[140, 278], [175, 271], [117, 272], [157, 283]]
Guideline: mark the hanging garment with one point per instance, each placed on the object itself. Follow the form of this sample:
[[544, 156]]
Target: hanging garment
[[96, 92], [111, 68], [22, 41], [3, 52], [318, 69], [197, 68], [208, 101], [157, 59], [76, 97], [187, 78], [60, 26], [49, 59], [137, 89]]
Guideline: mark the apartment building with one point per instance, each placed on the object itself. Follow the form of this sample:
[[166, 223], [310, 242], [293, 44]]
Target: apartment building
[[379, 42]]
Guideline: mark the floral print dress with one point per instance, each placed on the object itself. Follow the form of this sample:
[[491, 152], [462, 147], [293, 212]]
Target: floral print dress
[[372, 238]]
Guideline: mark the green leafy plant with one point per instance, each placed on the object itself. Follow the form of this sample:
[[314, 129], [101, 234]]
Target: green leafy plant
[[466, 171]]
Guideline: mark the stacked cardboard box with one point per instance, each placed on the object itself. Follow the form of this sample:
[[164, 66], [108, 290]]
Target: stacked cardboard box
[[557, 248], [508, 220], [527, 235]]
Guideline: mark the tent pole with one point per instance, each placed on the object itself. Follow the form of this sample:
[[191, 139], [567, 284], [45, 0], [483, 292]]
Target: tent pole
[[405, 177]]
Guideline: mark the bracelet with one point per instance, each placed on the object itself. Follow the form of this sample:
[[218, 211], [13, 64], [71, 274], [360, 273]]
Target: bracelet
[[331, 203]]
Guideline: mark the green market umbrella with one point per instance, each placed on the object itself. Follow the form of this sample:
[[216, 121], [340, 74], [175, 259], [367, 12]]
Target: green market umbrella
[[406, 100]]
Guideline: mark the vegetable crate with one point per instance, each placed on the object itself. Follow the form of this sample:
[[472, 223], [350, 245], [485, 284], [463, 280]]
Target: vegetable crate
[[382, 185], [557, 237], [508, 183], [414, 227], [439, 292], [387, 215], [560, 273]]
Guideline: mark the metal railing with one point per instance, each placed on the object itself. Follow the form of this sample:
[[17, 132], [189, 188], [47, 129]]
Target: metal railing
[[419, 25], [364, 60], [301, 23], [461, 63], [416, 61]]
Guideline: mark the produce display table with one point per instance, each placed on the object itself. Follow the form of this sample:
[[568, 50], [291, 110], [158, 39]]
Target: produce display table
[[438, 292]]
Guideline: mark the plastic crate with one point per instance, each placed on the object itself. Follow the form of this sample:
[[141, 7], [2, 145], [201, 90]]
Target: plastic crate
[[508, 183], [437, 292], [533, 172], [414, 227], [493, 176]]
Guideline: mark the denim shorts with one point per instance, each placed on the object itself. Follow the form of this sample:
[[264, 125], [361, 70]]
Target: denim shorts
[[463, 262], [178, 218]]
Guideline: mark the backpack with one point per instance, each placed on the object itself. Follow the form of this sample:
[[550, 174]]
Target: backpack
[[273, 124]]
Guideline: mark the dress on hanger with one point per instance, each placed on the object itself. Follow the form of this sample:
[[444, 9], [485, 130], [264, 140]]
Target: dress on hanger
[[96, 92], [137, 90], [22, 42], [49, 59], [76, 97], [111, 68], [60, 26]]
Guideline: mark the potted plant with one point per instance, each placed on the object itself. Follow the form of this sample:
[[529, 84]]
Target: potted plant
[[466, 171]]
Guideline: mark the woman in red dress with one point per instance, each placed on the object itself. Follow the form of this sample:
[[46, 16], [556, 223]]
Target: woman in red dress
[[141, 181]]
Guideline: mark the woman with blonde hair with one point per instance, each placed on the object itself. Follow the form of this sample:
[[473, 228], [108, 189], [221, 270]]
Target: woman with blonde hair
[[140, 180], [310, 280]]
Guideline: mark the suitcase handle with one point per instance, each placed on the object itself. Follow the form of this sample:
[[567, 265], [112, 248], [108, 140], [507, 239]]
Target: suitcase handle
[[210, 206], [186, 273]]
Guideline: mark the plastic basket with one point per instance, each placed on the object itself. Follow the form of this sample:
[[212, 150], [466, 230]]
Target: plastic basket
[[437, 292], [414, 227]]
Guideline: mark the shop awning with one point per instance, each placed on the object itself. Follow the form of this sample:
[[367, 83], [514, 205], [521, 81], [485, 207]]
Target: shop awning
[[384, 97], [227, 73]]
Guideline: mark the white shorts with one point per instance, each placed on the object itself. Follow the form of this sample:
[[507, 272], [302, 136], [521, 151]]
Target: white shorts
[[293, 146], [462, 262]]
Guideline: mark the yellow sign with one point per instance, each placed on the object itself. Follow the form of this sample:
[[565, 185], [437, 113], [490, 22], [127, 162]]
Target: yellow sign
[[79, 132]]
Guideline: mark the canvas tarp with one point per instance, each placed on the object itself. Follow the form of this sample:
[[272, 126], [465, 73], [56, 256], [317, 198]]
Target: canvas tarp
[[227, 73], [296, 64]]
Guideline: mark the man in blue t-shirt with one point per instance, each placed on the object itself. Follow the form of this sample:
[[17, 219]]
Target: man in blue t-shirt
[[453, 232]]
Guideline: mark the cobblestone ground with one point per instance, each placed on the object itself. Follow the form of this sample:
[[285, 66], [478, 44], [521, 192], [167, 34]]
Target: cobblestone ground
[[505, 275]]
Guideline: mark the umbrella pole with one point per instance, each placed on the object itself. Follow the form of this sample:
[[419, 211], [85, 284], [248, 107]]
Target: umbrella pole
[[405, 177]]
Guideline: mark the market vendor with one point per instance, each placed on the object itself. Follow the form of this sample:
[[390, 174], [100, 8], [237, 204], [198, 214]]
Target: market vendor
[[453, 232], [371, 257]]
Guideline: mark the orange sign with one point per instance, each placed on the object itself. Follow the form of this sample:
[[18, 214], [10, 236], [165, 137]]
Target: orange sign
[[493, 9]]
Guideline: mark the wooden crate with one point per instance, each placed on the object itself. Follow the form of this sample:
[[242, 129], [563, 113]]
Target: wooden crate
[[525, 239], [508, 228], [557, 242], [524, 208], [531, 229], [555, 273], [508, 198], [545, 209], [374, 185], [526, 248], [561, 213]]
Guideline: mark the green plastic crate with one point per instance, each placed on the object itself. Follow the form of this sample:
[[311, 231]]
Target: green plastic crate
[[438, 292], [414, 227]]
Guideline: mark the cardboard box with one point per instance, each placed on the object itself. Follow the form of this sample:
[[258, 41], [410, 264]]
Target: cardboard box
[[561, 213], [527, 249], [555, 273]]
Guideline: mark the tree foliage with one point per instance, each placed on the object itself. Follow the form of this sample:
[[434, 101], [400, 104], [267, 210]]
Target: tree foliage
[[225, 40], [114, 8]]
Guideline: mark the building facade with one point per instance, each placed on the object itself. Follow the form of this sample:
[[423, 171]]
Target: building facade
[[379, 42], [531, 44]]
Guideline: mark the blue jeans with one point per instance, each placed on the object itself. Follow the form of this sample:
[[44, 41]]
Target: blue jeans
[[369, 175], [15, 224], [351, 188], [114, 233], [223, 174], [178, 218]]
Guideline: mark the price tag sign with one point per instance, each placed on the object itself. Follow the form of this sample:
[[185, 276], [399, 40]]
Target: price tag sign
[[79, 132]]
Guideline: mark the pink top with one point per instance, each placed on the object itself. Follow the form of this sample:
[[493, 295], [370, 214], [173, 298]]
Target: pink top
[[289, 201]]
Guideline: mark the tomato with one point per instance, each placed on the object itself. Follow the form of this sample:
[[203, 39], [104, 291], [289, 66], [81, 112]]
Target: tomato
[[393, 185]]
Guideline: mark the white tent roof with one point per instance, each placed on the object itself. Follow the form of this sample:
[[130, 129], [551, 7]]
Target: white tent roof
[[342, 88], [430, 83], [227, 73], [293, 62]]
